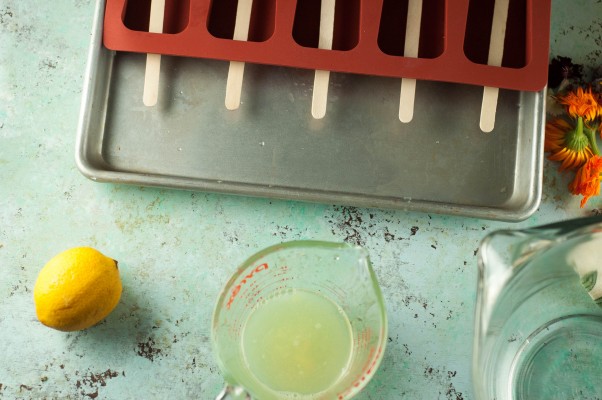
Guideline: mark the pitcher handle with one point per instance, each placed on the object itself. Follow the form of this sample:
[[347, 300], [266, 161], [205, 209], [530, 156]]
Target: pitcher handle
[[233, 392]]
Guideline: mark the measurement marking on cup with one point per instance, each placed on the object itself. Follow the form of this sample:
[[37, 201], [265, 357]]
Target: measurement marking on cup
[[368, 369], [237, 288]]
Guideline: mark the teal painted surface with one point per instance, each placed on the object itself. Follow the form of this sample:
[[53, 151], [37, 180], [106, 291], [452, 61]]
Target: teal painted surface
[[176, 249]]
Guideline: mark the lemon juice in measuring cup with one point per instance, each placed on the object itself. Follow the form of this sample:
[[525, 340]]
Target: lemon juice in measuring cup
[[302, 320], [297, 342]]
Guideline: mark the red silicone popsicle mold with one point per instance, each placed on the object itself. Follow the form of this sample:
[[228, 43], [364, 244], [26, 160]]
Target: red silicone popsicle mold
[[368, 37]]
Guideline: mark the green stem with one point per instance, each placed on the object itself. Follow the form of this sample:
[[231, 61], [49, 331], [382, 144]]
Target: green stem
[[591, 136], [576, 139], [579, 127]]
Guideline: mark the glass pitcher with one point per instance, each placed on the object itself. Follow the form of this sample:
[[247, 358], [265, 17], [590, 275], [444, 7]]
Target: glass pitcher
[[538, 327], [303, 320]]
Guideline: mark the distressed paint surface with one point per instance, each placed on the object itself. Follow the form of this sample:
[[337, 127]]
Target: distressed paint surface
[[176, 249]]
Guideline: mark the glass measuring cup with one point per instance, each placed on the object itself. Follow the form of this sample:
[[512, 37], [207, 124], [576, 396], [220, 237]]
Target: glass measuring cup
[[538, 329], [302, 319]]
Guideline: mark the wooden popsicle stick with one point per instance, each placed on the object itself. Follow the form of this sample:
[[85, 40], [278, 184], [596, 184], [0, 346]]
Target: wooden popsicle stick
[[237, 68], [412, 42], [496, 54], [322, 77], [153, 61]]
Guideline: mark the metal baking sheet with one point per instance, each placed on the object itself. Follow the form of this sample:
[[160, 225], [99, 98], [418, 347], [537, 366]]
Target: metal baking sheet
[[360, 154]]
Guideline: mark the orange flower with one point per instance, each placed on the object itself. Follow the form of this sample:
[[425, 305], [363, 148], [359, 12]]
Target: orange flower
[[566, 144], [581, 103], [587, 180]]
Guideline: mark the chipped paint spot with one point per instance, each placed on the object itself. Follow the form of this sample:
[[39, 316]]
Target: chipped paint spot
[[90, 382], [350, 223], [148, 350], [132, 224], [443, 378]]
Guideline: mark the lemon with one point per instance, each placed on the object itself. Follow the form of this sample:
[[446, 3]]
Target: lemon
[[77, 289]]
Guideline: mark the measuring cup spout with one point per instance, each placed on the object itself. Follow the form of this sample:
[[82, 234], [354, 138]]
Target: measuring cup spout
[[503, 252]]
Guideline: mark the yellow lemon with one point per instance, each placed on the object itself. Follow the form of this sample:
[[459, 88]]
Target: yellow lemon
[[77, 289]]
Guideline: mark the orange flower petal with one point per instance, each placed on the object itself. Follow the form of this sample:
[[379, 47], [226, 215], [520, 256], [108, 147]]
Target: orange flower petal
[[587, 180], [570, 159], [581, 103], [556, 130]]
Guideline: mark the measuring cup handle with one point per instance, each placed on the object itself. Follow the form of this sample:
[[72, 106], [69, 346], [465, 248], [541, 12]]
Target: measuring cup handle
[[234, 393]]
